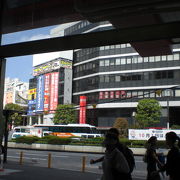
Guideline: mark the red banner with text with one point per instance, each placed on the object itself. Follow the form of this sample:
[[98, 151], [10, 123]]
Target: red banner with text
[[82, 111]]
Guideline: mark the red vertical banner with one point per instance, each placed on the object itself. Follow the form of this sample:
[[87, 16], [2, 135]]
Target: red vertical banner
[[82, 111], [47, 92], [54, 91]]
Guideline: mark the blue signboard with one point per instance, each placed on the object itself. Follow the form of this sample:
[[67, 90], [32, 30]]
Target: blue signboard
[[40, 94], [31, 107]]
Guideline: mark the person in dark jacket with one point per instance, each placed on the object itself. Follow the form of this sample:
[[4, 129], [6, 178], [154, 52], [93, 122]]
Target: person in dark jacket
[[152, 158], [172, 166]]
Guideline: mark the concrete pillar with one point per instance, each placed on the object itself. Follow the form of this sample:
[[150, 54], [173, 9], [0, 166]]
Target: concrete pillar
[[39, 119], [30, 121]]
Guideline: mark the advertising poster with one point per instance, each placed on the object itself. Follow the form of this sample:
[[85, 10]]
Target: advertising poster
[[145, 134], [46, 91], [101, 95], [111, 94], [40, 94], [82, 111], [54, 91], [31, 107]]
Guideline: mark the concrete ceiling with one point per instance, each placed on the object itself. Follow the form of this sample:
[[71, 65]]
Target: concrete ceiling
[[152, 17]]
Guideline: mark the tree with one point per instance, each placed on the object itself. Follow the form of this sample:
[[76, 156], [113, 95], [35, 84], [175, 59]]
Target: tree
[[148, 113], [121, 124], [65, 114], [15, 118]]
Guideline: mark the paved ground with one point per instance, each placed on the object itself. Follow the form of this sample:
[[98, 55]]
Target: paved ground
[[14, 171]]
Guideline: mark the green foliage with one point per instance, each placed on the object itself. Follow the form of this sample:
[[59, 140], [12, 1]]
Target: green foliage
[[121, 124], [175, 126], [148, 113], [26, 139], [15, 118], [65, 114]]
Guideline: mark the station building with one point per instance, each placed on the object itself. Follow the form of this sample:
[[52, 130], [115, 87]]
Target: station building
[[112, 79]]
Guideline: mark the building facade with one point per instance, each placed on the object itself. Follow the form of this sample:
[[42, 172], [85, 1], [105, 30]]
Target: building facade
[[51, 85], [16, 92], [114, 78]]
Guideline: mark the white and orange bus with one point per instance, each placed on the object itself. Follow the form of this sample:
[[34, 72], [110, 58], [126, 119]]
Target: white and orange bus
[[70, 130]]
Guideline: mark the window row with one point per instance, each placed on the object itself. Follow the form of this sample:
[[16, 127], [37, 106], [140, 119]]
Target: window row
[[137, 76], [127, 95], [138, 59]]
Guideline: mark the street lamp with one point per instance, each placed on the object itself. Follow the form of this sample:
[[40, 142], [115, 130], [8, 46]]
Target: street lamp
[[168, 95]]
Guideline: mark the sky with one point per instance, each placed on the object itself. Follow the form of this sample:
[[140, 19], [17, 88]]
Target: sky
[[21, 67]]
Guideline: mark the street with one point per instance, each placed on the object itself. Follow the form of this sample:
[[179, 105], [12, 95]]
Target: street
[[68, 161]]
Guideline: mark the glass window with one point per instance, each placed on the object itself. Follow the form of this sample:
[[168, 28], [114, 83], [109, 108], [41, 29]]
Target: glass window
[[106, 47], [134, 93], [118, 78], [140, 94], [112, 62], [101, 63], [170, 74], [151, 59], [152, 94], [145, 59], [107, 62], [163, 58], [123, 45], [140, 59], [101, 79], [112, 46], [128, 60], [176, 56], [128, 45], [128, 95], [106, 78], [170, 57], [177, 93], [134, 60], [118, 61], [123, 60], [146, 94], [118, 46], [157, 58]]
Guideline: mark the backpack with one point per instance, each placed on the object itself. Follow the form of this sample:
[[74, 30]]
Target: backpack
[[130, 158]]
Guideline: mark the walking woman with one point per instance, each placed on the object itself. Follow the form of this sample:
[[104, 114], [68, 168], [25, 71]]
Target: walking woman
[[172, 166], [152, 159]]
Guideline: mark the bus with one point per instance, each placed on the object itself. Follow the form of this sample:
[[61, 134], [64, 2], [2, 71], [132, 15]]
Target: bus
[[29, 131], [71, 130]]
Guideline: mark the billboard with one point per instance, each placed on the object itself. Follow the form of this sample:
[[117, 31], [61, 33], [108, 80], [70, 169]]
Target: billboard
[[31, 107], [51, 66], [47, 91], [145, 134], [82, 111], [40, 94], [54, 91]]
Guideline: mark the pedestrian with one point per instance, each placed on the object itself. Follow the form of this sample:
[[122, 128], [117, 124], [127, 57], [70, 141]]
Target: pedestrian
[[114, 165], [151, 158], [123, 149], [172, 166], [1, 157]]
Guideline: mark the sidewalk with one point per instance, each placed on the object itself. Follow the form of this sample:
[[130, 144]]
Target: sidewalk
[[14, 171]]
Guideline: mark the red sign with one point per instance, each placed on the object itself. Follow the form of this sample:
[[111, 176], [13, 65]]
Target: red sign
[[54, 91], [47, 92], [106, 95], [101, 95], [82, 111], [111, 94]]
